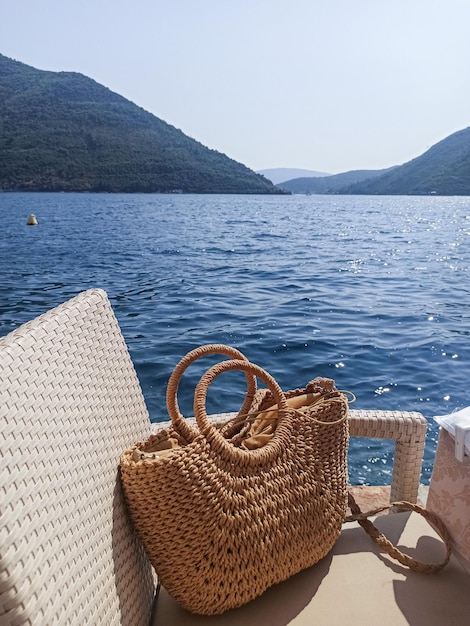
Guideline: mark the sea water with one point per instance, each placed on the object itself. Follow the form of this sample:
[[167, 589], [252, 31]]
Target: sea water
[[370, 291]]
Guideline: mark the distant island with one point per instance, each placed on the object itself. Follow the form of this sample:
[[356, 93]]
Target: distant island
[[442, 170], [62, 131]]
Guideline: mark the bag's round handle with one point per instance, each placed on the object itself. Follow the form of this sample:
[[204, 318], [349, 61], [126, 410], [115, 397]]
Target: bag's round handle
[[227, 450], [187, 431]]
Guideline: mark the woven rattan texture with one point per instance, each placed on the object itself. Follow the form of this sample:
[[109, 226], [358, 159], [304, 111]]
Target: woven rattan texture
[[220, 532], [70, 402], [407, 428]]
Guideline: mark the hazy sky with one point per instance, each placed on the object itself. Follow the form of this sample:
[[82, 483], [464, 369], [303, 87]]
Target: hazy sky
[[328, 85]]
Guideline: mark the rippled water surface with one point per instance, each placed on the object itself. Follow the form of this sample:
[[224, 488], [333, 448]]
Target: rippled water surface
[[370, 291]]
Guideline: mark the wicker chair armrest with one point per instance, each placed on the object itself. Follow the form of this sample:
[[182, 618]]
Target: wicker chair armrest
[[408, 429]]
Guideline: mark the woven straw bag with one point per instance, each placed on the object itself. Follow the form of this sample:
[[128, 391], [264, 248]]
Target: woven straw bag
[[222, 523]]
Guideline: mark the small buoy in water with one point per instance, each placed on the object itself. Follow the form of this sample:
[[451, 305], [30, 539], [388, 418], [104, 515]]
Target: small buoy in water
[[32, 221]]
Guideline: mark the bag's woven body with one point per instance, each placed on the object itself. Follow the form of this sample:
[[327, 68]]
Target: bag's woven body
[[221, 525]]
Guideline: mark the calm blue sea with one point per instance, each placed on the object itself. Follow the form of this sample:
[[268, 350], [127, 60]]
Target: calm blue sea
[[370, 291]]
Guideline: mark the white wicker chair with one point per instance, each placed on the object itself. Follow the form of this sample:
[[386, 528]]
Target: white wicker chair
[[70, 403]]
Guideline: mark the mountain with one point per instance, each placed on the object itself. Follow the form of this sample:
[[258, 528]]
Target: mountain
[[443, 170], [62, 131], [281, 174], [329, 184]]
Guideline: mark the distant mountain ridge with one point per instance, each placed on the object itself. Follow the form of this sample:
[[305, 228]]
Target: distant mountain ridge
[[281, 174], [62, 131], [330, 184], [444, 170]]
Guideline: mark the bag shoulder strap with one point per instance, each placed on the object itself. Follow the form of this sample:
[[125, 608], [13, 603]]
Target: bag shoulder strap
[[386, 545]]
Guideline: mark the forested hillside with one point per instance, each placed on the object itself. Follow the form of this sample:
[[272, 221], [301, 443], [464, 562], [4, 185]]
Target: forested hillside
[[443, 170], [62, 131]]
